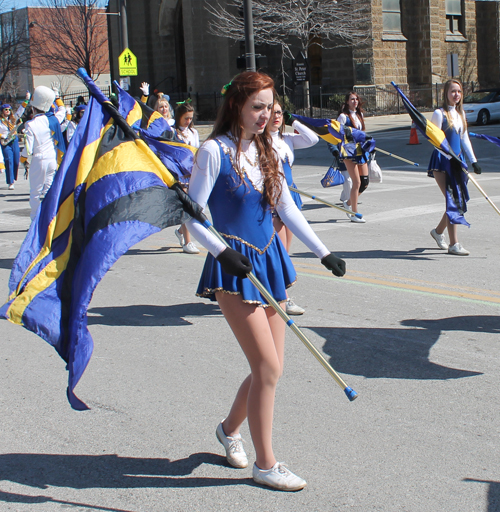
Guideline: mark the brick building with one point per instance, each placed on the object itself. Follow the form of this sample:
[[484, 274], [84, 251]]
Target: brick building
[[416, 43], [33, 73]]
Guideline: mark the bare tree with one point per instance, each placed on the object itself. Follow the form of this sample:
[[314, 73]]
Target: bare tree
[[326, 23], [14, 46], [77, 36]]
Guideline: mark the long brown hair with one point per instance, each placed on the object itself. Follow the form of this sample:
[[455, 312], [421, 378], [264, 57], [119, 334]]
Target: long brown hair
[[459, 106], [359, 109], [228, 120]]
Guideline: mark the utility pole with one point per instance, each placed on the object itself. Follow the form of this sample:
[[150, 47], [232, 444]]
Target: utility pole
[[123, 24], [249, 40]]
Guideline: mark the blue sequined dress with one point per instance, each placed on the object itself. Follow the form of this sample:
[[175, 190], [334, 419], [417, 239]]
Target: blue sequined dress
[[241, 216]]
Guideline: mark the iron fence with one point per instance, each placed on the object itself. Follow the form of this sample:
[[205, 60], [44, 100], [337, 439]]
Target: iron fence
[[322, 104]]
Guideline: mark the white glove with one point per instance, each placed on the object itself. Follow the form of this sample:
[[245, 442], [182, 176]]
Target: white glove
[[28, 95], [144, 88], [55, 87]]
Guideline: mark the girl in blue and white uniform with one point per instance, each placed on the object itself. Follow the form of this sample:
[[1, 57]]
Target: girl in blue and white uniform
[[285, 143], [238, 175], [451, 119], [351, 114], [9, 140]]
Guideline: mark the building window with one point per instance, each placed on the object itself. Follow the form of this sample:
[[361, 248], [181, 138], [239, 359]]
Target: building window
[[391, 16], [454, 17]]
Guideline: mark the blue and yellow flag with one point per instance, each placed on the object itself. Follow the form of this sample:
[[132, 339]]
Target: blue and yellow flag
[[352, 142], [110, 192], [159, 136], [140, 116], [429, 130]]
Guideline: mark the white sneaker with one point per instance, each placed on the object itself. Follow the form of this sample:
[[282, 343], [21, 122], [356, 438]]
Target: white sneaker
[[235, 453], [190, 248], [11, 186], [180, 237], [458, 250], [440, 240], [278, 477], [293, 309], [357, 219], [347, 207]]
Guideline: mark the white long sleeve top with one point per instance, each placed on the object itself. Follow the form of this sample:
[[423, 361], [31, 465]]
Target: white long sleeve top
[[39, 139], [286, 143], [189, 136], [342, 119], [205, 173], [458, 126]]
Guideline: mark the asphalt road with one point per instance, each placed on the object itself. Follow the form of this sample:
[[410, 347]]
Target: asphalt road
[[412, 329]]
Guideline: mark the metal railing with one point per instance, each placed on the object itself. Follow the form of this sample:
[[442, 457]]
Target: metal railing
[[323, 104]]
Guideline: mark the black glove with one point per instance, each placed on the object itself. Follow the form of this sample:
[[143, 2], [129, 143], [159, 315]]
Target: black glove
[[335, 264], [234, 263], [288, 118], [477, 168]]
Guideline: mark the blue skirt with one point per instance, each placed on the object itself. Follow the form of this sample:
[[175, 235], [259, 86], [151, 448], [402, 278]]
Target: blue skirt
[[273, 268]]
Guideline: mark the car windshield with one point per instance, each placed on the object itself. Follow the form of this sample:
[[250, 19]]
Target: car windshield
[[480, 97]]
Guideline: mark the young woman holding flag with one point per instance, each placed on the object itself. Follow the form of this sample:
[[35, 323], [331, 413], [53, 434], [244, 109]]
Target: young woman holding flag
[[238, 174], [450, 177]]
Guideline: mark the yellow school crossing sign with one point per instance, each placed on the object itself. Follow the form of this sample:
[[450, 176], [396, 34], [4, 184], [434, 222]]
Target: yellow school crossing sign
[[127, 63]]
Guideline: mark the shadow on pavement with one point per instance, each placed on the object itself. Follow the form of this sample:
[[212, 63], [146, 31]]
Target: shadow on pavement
[[493, 493], [398, 353], [106, 472], [147, 315], [419, 253]]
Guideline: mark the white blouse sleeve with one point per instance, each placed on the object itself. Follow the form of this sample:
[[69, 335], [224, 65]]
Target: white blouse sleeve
[[466, 144], [296, 222], [304, 139], [206, 169], [437, 118], [342, 119]]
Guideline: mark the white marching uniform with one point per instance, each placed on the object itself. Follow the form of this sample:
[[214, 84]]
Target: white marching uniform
[[40, 144]]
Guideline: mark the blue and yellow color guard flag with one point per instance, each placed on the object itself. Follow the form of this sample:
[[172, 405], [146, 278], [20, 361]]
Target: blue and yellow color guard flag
[[110, 192], [429, 130], [155, 130], [352, 142]]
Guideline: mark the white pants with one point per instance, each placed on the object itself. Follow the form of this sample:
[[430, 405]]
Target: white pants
[[41, 174], [346, 187]]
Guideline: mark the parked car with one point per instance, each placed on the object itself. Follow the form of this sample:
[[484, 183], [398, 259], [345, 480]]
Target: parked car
[[482, 106]]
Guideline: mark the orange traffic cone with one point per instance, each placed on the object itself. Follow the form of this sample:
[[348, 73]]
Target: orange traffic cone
[[413, 135]]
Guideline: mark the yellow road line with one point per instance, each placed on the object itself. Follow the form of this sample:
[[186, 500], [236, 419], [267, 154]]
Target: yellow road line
[[484, 296]]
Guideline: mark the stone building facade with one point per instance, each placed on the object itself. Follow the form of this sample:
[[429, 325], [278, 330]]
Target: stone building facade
[[416, 43]]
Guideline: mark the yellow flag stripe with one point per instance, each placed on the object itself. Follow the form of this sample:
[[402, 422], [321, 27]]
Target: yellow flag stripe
[[135, 114], [47, 276], [436, 135], [126, 158]]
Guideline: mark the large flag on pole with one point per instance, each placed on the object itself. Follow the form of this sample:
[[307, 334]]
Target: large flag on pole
[[109, 193], [429, 130], [352, 142]]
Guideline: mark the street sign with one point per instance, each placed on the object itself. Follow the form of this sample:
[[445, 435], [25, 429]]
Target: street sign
[[127, 63], [300, 68]]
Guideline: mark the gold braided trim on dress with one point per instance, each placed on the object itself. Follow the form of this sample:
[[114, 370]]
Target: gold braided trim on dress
[[248, 244], [210, 291], [242, 174]]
